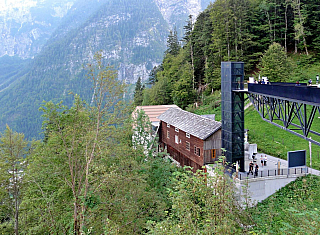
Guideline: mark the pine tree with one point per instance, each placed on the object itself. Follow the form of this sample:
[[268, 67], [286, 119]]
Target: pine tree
[[188, 40], [138, 93], [173, 45], [153, 74], [13, 152], [275, 64]]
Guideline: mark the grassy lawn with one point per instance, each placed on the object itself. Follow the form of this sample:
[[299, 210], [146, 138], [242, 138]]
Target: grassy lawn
[[277, 142], [293, 209]]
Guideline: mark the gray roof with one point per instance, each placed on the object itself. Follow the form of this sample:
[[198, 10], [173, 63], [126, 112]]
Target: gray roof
[[198, 126]]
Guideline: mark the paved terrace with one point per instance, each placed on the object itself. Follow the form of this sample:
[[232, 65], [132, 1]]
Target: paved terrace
[[261, 187]]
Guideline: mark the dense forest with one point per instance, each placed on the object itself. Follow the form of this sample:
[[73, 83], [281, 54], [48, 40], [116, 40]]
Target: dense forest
[[236, 30]]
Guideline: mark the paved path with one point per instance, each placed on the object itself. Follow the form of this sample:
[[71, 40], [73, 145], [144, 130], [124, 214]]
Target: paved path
[[259, 188], [272, 163]]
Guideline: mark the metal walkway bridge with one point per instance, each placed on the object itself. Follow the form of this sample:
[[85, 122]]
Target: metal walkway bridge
[[288, 106], [285, 105]]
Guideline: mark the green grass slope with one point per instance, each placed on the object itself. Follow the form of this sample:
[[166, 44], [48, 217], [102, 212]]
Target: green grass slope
[[277, 142], [294, 209]]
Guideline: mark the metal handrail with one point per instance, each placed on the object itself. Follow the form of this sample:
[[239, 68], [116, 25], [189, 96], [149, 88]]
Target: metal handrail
[[273, 172]]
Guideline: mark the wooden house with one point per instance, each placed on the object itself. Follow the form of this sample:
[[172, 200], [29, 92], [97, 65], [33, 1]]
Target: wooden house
[[190, 139], [152, 112]]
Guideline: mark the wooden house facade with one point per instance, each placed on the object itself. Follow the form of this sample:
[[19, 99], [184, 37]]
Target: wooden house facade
[[190, 139]]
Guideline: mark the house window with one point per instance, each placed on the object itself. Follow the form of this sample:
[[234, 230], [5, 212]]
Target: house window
[[188, 145], [176, 139], [168, 125], [197, 151], [176, 129], [168, 134], [187, 135]]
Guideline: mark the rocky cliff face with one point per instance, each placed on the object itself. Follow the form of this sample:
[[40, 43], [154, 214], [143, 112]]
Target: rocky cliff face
[[175, 13], [170, 9], [26, 25]]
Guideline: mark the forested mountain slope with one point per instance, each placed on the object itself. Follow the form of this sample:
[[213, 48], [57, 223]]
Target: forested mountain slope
[[240, 30], [113, 28]]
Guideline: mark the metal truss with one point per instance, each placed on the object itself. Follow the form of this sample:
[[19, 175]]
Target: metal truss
[[294, 116]]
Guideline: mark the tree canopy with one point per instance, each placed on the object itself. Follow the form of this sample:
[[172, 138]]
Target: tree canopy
[[234, 30], [275, 64]]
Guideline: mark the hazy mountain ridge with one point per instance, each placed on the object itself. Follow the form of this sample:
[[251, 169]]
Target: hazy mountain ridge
[[26, 25], [132, 41]]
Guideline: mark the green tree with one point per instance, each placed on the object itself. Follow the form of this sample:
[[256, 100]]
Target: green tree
[[183, 92], [202, 204], [188, 40], [75, 136], [142, 131], [275, 64], [153, 75], [173, 45], [86, 177], [299, 27], [311, 22], [13, 163], [138, 93]]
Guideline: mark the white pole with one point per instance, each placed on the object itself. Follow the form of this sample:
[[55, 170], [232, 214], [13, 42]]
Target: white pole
[[310, 154]]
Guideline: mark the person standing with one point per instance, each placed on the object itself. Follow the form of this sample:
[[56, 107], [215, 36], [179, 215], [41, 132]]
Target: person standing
[[310, 82], [278, 166], [256, 170], [265, 160], [261, 159], [250, 168]]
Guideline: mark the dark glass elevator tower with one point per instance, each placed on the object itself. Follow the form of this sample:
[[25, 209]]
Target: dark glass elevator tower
[[232, 111]]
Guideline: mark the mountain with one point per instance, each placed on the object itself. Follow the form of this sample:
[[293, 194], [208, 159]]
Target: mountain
[[176, 12], [131, 34], [26, 25]]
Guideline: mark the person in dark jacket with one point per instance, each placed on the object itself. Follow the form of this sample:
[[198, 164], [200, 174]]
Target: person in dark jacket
[[256, 170], [250, 168]]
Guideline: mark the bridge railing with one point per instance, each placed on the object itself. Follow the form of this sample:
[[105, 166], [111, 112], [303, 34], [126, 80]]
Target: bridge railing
[[289, 91], [273, 172]]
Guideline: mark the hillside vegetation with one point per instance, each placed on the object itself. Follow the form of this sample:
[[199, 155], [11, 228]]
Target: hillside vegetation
[[237, 30], [293, 209]]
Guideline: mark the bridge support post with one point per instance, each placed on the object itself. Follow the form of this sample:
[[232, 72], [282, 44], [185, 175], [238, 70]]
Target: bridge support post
[[232, 112]]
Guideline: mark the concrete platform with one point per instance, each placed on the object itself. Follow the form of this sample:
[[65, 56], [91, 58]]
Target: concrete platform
[[259, 188]]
